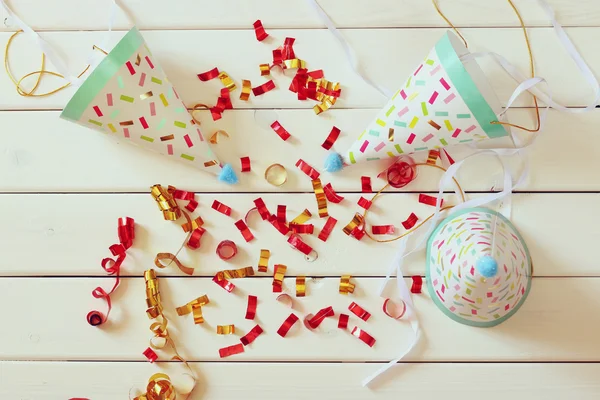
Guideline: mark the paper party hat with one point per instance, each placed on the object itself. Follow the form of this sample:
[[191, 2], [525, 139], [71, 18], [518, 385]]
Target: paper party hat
[[445, 101], [128, 96], [478, 267]]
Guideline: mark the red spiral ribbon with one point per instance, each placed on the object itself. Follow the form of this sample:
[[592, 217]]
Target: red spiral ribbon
[[307, 169], [331, 195], [287, 325], [246, 167], [208, 75], [315, 321], [252, 335], [262, 209], [410, 221], [417, 284], [364, 203], [264, 88], [251, 308], [364, 336], [280, 130], [222, 208], [333, 135], [226, 250], [359, 311], [259, 31], [243, 228], [401, 173], [343, 321], [327, 229], [296, 242]]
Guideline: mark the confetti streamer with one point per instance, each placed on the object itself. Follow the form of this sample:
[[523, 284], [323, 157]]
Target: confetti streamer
[[251, 307], [315, 321], [150, 355], [245, 164], [410, 221], [429, 200], [226, 250], [226, 329], [263, 261], [364, 336], [208, 75], [357, 221], [302, 229], [262, 209], [282, 228], [388, 305], [276, 174], [307, 169], [264, 88], [246, 89], [231, 350], [281, 214], [224, 283], [345, 285], [417, 284], [383, 229], [235, 273], [343, 321], [278, 277], [296, 242], [321, 199], [259, 31], [227, 81], [287, 325], [302, 217], [359, 311], [331, 138], [366, 184], [243, 228], [222, 208], [251, 335], [327, 229], [300, 286], [331, 195], [281, 131], [364, 203], [160, 257]]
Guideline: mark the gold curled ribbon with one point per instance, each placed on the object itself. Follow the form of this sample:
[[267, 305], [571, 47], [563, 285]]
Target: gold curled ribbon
[[263, 262], [159, 388], [300, 286], [345, 285], [192, 224], [327, 101], [357, 220], [321, 199], [280, 270], [227, 81], [166, 203], [173, 258], [302, 217], [294, 63], [235, 273], [195, 307], [226, 329], [198, 107], [214, 138], [246, 90], [276, 174]]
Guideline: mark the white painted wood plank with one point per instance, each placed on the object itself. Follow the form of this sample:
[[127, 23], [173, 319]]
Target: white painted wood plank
[[188, 14], [558, 322], [41, 153], [264, 381], [71, 234], [239, 53]]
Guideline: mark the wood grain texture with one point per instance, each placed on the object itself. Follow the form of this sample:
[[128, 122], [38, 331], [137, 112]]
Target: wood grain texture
[[558, 322], [52, 155], [182, 55], [70, 234], [109, 381], [189, 14]]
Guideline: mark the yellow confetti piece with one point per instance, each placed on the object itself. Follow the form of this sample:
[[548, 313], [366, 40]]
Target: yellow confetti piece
[[302, 217], [345, 285], [235, 273], [246, 90], [263, 262], [321, 199], [227, 81], [225, 329], [300, 286], [265, 69]]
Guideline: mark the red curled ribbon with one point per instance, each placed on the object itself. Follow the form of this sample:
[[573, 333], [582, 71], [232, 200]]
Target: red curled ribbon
[[224, 283], [417, 284], [327, 229], [307, 169], [251, 308], [399, 315], [208, 75], [366, 184], [401, 173], [315, 321], [364, 336], [343, 321], [252, 335], [303, 229], [126, 233], [331, 195], [222, 208], [287, 325], [295, 241], [243, 228], [429, 200], [231, 350], [194, 240], [359, 311], [186, 196], [282, 228], [264, 88], [259, 31], [410, 221], [280, 130], [226, 250], [364, 203], [383, 229], [358, 233], [281, 214], [246, 167], [331, 138], [262, 209]]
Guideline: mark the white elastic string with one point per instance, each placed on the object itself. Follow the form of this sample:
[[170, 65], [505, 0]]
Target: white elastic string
[[350, 54]]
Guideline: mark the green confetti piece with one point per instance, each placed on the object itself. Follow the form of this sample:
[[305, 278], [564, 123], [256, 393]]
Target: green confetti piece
[[156, 80], [374, 133], [420, 83], [441, 113], [180, 110], [126, 98], [398, 149], [373, 158], [424, 108], [147, 138], [352, 160], [380, 122], [429, 62], [93, 121], [421, 148], [391, 110], [408, 81], [120, 82], [179, 124], [187, 157], [413, 122], [463, 115], [161, 124], [443, 141], [400, 123], [114, 114]]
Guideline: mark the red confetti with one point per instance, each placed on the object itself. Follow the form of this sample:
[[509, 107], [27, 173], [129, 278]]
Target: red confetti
[[277, 57], [251, 308], [417, 284], [280, 130], [333, 93], [315, 321], [231, 350], [252, 335], [383, 229], [401, 173], [433, 156], [208, 75], [281, 214], [307, 169], [447, 156], [316, 74], [331, 195], [299, 245], [259, 31], [343, 321], [288, 50], [282, 228], [358, 233], [287, 325], [410, 221], [399, 315], [243, 228], [366, 184], [224, 283], [264, 88], [226, 250], [150, 355], [185, 196], [364, 203], [262, 209], [222, 208], [429, 200], [333, 135], [327, 228], [359, 311], [245, 164], [364, 336], [303, 229], [194, 240]]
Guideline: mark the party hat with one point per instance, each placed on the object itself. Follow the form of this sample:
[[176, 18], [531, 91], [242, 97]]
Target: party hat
[[445, 101], [128, 96], [478, 267]]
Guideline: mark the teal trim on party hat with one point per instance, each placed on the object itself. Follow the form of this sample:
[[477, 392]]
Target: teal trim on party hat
[[434, 297], [100, 76], [467, 88]]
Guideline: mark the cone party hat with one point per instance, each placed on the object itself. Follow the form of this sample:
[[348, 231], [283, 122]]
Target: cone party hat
[[128, 96], [445, 101]]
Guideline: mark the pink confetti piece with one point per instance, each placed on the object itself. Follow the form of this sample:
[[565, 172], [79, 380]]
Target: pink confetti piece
[[188, 140], [403, 111], [449, 98], [411, 138], [142, 79], [433, 97], [130, 67], [470, 129], [379, 146], [109, 99], [152, 109], [149, 62], [428, 137], [170, 149], [364, 146], [418, 69], [435, 70], [144, 123], [126, 132], [456, 133], [98, 112], [403, 94], [200, 134], [444, 84]]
